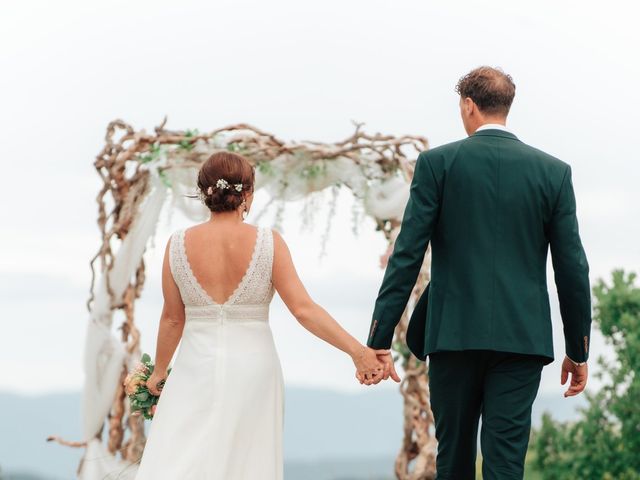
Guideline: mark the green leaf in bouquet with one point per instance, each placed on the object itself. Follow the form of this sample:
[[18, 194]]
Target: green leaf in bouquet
[[145, 358], [142, 396]]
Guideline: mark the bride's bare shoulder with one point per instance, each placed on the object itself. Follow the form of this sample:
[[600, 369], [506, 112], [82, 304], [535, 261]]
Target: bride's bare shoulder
[[191, 228], [280, 247], [277, 236]]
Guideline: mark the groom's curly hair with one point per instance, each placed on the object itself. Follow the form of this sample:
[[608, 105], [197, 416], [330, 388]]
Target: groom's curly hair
[[491, 90]]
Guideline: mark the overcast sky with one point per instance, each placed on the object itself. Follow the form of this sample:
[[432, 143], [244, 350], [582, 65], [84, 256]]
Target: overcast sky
[[301, 70]]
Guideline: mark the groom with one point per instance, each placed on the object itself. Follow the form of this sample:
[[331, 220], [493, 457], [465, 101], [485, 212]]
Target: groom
[[490, 206]]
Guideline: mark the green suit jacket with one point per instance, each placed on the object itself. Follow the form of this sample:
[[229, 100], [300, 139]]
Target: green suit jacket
[[491, 206]]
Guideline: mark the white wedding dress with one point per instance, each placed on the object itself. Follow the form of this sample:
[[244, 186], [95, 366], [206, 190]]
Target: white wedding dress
[[220, 413]]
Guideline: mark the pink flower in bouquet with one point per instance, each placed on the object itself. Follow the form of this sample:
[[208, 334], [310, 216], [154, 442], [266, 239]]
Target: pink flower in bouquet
[[132, 382], [127, 384], [129, 388], [153, 409], [142, 368]]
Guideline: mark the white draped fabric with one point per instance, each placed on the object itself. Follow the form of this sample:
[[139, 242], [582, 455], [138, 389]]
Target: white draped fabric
[[386, 199], [104, 354], [98, 463], [288, 177]]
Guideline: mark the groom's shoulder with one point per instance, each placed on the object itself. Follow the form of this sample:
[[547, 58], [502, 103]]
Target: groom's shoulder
[[437, 155], [441, 155], [445, 149], [546, 159]]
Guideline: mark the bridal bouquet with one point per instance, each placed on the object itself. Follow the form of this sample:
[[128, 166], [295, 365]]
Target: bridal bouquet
[[142, 401]]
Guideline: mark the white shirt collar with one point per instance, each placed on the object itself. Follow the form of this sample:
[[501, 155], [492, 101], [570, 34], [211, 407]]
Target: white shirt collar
[[493, 126]]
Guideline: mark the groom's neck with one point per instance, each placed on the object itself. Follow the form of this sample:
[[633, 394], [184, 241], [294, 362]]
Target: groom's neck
[[485, 120], [493, 119]]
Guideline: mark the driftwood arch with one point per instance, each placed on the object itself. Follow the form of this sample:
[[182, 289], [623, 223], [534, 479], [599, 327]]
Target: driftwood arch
[[139, 170]]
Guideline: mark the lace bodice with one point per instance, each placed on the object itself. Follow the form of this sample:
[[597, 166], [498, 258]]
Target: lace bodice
[[255, 288]]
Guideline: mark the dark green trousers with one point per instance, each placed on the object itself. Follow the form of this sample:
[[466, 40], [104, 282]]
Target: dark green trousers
[[499, 387]]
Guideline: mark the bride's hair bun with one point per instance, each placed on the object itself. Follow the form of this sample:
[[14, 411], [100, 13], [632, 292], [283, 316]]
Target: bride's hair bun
[[224, 180]]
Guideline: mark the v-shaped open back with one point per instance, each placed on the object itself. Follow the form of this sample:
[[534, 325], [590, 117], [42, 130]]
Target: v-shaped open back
[[255, 287], [230, 299]]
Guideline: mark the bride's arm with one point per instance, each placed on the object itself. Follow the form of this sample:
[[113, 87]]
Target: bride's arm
[[311, 315], [171, 325]]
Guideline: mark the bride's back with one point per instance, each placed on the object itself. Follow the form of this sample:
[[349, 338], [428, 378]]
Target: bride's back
[[224, 262], [219, 255]]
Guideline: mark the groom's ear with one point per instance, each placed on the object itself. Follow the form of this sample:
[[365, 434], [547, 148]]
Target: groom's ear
[[468, 105]]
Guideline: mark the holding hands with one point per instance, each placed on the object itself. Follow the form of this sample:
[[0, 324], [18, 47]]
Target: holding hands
[[373, 366]]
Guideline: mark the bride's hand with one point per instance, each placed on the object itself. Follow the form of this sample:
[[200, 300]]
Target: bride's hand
[[156, 381], [369, 368]]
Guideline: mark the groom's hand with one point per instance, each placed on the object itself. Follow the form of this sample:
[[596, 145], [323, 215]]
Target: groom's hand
[[389, 367], [579, 375]]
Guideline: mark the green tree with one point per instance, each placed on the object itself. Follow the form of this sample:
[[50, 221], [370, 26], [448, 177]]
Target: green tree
[[605, 443]]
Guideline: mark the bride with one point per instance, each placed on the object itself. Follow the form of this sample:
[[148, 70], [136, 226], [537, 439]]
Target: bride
[[220, 412]]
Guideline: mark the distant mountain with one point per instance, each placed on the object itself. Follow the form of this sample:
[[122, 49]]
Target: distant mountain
[[328, 435], [380, 468], [26, 422], [22, 476]]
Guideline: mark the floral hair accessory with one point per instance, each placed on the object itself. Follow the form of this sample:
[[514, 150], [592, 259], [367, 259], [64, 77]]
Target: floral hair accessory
[[222, 184]]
